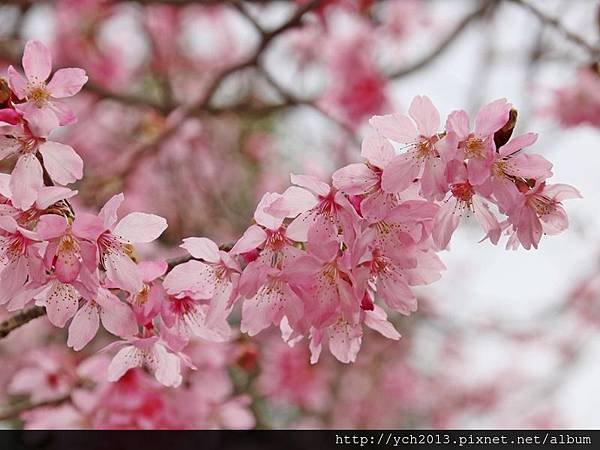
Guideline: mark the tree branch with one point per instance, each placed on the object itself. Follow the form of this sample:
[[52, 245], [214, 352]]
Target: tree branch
[[19, 319], [445, 43], [594, 51]]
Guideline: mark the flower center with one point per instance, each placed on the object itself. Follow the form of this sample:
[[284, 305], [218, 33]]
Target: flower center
[[473, 148], [463, 192], [330, 273], [38, 94], [542, 204], [425, 149]]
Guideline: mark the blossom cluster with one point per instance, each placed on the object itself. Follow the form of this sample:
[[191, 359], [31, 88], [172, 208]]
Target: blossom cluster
[[319, 257], [320, 260]]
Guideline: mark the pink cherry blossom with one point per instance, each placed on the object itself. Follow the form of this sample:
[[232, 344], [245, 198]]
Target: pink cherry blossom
[[463, 200], [364, 179], [477, 146], [115, 315], [539, 211], [43, 108], [150, 353], [20, 261], [61, 162], [147, 303], [419, 133], [114, 240]]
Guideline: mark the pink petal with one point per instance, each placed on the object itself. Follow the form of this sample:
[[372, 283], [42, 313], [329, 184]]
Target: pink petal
[[262, 216], [17, 83], [297, 230], [516, 144], [62, 301], [51, 226], [425, 115], [253, 237], [396, 293], [68, 264], [151, 270], [458, 124], [26, 181], [433, 182], [295, 200], [445, 223], [529, 166], [261, 311], [41, 120], [84, 326], [108, 213], [311, 183], [67, 82], [479, 170], [377, 150], [560, 192], [140, 227], [529, 229], [487, 220], [127, 358], [344, 341], [123, 272], [400, 173], [202, 248], [355, 179], [48, 195], [377, 320], [63, 112], [194, 277], [62, 163], [397, 127], [167, 370], [37, 61], [492, 117], [88, 226], [117, 317]]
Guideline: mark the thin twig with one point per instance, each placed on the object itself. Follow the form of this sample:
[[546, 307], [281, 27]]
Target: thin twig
[[204, 103], [594, 51], [445, 43]]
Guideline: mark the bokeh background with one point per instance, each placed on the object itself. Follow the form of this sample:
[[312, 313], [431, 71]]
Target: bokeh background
[[194, 109]]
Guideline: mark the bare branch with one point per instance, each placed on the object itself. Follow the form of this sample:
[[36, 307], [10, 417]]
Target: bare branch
[[445, 43], [19, 319], [594, 51]]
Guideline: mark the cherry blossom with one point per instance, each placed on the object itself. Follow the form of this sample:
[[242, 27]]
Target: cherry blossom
[[43, 108]]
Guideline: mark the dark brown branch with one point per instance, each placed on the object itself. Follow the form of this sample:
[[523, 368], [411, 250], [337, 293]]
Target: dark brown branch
[[19, 319], [447, 41], [594, 51], [204, 103]]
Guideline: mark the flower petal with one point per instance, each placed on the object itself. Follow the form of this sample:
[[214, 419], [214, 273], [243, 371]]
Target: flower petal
[[62, 163], [67, 82], [425, 115], [140, 227], [26, 180], [202, 248], [84, 326], [37, 61]]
